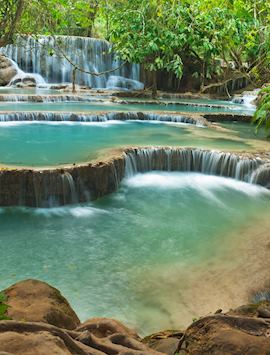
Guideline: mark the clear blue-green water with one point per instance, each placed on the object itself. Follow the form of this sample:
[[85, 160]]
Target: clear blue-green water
[[53, 143], [138, 254], [109, 106], [106, 256]]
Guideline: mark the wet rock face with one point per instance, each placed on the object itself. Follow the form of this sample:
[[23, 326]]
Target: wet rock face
[[56, 187], [36, 301], [7, 70]]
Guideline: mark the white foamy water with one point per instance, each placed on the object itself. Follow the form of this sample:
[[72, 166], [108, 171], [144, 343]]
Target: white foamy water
[[204, 184], [73, 211]]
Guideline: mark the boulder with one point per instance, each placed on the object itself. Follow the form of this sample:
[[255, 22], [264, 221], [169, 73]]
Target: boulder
[[32, 344], [36, 301], [225, 334], [7, 70], [104, 327], [166, 342], [26, 338]]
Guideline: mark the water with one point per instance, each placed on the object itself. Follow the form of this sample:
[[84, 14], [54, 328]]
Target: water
[[53, 143], [109, 106], [90, 54], [122, 256]]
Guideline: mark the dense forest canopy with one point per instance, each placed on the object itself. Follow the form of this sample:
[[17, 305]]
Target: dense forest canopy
[[216, 40]]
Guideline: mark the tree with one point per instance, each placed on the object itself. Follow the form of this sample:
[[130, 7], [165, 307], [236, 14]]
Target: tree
[[169, 35], [10, 14], [262, 115]]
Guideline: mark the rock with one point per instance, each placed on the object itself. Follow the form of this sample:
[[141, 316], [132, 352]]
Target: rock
[[166, 342], [32, 344], [260, 309], [263, 311], [7, 70], [104, 327], [27, 80], [25, 338], [223, 334], [36, 301]]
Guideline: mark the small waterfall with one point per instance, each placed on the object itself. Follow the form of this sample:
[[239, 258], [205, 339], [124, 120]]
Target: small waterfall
[[69, 189], [44, 56], [47, 98], [118, 82], [56, 187], [244, 168], [247, 98], [27, 79], [102, 117]]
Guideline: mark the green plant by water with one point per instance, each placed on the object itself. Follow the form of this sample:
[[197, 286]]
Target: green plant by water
[[262, 115], [3, 307]]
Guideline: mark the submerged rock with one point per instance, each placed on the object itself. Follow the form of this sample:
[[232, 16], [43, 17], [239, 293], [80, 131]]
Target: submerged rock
[[36, 301], [8, 70]]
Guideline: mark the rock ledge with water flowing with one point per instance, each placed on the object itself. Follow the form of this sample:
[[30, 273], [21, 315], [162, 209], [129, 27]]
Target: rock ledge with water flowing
[[50, 187], [36, 328]]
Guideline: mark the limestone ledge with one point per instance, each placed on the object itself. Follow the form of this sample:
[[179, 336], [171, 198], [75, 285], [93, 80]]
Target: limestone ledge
[[61, 185]]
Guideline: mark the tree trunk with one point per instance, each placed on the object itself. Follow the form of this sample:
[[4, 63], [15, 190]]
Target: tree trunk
[[74, 80], [154, 84]]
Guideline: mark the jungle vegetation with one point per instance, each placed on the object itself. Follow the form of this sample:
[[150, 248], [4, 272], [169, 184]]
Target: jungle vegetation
[[215, 40]]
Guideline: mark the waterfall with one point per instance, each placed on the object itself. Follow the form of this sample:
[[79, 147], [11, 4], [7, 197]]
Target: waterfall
[[247, 98], [102, 117], [84, 182], [241, 167], [44, 56], [119, 82], [48, 98], [69, 188]]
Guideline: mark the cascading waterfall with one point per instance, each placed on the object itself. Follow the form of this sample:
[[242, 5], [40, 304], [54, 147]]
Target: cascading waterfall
[[80, 183], [249, 169], [46, 56], [102, 117], [247, 98], [48, 98]]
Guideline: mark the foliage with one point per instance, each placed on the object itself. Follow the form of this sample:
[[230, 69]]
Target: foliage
[[170, 34], [10, 14], [262, 114], [72, 17], [207, 37], [3, 307]]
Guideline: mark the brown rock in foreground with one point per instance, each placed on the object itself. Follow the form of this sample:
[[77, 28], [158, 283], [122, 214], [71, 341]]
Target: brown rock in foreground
[[103, 327], [27, 338], [244, 330], [224, 334], [36, 301], [44, 323]]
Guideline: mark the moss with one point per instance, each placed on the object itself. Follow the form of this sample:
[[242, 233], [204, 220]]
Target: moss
[[3, 307]]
